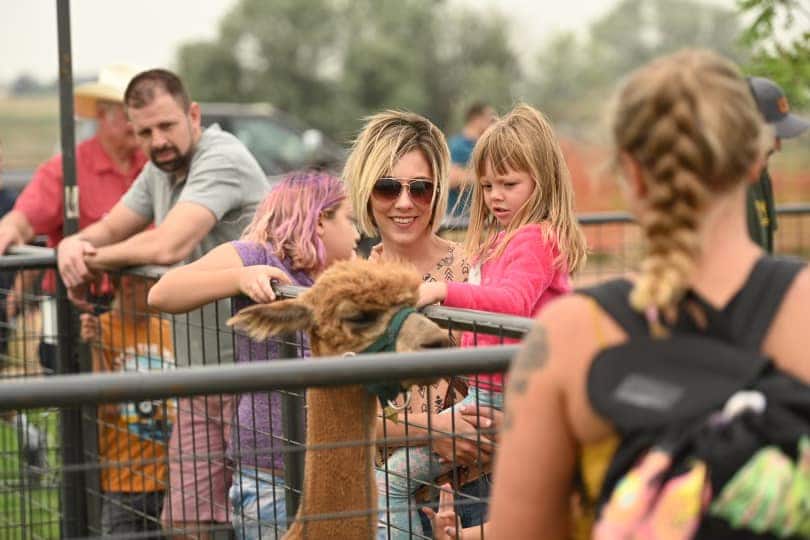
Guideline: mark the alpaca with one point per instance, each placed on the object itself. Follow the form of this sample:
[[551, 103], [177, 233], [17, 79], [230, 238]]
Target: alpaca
[[347, 309]]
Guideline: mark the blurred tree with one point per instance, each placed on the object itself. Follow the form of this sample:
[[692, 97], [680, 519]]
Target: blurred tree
[[573, 77], [332, 62], [25, 85], [215, 65], [779, 35]]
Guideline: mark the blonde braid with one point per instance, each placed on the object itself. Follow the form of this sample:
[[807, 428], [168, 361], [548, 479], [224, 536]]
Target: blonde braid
[[677, 118]]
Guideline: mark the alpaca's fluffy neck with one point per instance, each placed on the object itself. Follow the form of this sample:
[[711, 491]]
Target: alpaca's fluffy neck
[[339, 479]]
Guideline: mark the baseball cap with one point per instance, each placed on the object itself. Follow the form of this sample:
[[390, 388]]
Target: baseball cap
[[110, 86], [773, 105]]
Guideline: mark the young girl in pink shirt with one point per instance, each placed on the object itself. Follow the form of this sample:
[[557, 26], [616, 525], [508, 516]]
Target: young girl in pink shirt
[[524, 242]]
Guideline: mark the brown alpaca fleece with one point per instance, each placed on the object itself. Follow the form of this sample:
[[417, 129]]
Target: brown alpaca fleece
[[345, 311], [338, 480]]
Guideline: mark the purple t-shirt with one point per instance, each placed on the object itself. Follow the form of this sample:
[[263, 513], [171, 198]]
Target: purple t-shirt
[[258, 417]]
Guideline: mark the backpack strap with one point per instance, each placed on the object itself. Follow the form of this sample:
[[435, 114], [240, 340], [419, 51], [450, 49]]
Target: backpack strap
[[753, 309], [613, 297]]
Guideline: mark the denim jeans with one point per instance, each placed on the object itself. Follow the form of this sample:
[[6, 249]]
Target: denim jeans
[[258, 505], [408, 470]]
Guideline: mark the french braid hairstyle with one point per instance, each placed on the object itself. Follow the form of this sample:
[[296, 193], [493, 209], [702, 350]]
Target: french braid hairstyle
[[689, 121]]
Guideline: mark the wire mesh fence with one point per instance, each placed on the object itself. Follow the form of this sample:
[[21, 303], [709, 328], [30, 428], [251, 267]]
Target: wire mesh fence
[[178, 427]]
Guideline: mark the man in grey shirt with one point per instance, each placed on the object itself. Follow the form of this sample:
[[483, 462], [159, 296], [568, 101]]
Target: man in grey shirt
[[200, 189]]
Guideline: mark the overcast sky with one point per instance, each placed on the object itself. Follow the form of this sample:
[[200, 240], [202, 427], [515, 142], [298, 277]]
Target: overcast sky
[[147, 32]]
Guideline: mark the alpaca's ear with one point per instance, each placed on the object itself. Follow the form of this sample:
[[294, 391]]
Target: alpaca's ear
[[265, 320]]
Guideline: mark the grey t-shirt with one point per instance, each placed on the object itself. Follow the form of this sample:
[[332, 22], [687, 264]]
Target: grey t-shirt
[[225, 178]]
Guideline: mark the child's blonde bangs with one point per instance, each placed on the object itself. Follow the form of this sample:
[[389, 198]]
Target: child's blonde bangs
[[499, 146]]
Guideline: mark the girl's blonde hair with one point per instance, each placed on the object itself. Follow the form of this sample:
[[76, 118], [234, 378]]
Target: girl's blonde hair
[[384, 139], [690, 122], [524, 141]]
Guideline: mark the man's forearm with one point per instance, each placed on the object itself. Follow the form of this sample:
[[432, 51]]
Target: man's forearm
[[99, 234], [147, 247]]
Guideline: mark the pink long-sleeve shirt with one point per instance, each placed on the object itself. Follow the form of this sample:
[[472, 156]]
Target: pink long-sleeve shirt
[[519, 282]]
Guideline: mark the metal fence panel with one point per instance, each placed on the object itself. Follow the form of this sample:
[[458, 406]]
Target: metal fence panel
[[245, 427]]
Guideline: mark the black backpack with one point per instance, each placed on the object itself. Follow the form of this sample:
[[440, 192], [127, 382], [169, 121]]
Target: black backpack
[[666, 399]]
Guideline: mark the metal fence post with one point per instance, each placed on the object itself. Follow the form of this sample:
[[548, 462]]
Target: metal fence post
[[292, 424], [74, 507]]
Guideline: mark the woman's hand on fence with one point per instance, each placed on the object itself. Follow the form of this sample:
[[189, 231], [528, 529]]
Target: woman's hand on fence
[[255, 282], [458, 441], [445, 522], [89, 329], [486, 418], [430, 293]]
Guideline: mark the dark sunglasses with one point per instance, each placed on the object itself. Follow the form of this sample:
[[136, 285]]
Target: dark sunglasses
[[388, 189]]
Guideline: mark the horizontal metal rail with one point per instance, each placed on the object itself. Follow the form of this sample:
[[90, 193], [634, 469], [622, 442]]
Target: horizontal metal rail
[[506, 326], [94, 388], [27, 256], [611, 218]]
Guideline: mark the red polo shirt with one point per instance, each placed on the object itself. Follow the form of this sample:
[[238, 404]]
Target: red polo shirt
[[101, 185]]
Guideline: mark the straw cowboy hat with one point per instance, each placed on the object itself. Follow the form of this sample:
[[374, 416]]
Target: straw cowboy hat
[[110, 86]]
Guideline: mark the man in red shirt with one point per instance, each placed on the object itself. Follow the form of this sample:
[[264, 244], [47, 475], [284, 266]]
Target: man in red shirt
[[106, 166]]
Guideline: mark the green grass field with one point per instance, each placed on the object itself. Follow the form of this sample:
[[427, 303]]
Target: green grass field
[[29, 507]]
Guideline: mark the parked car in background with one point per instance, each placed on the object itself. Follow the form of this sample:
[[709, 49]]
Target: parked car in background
[[278, 141]]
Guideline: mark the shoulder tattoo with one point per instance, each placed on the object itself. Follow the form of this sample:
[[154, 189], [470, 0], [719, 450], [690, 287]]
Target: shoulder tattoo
[[530, 358]]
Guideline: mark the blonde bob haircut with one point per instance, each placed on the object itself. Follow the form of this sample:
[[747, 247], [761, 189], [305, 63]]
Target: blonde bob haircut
[[524, 141], [385, 138]]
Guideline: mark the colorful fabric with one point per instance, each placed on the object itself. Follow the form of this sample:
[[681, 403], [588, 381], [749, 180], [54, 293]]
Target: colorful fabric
[[770, 494], [132, 436], [648, 504]]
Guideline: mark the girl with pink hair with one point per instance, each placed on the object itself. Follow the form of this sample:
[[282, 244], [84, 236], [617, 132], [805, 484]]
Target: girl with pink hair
[[304, 225]]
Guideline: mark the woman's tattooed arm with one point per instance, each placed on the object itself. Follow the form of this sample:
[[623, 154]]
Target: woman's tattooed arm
[[531, 357]]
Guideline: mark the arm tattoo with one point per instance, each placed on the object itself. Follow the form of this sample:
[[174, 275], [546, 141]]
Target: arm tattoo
[[531, 357]]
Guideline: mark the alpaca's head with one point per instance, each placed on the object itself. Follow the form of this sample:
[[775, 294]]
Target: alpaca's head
[[347, 309]]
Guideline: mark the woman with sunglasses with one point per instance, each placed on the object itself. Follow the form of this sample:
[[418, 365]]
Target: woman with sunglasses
[[397, 175]]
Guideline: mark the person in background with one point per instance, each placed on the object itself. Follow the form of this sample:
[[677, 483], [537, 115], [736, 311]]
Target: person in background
[[106, 166], [287, 244], [524, 242], [773, 104], [200, 188], [688, 140], [34, 441], [477, 119], [397, 179], [132, 436]]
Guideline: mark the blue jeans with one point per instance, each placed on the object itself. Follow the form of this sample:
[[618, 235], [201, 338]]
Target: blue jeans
[[410, 468], [258, 505]]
